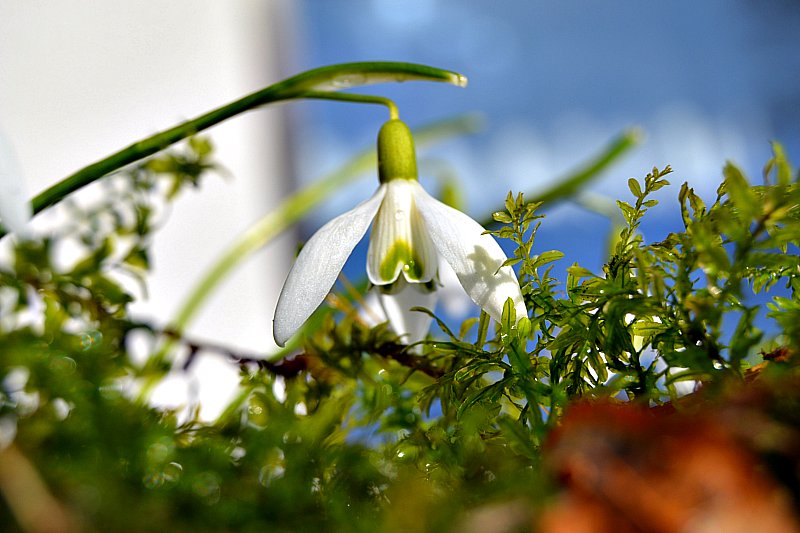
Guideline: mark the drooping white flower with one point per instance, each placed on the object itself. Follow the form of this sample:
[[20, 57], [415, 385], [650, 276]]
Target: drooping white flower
[[15, 210], [411, 231]]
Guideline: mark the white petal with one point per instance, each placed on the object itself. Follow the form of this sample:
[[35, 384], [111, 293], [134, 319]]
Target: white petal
[[455, 302], [15, 210], [318, 264], [412, 326], [474, 256], [399, 241], [370, 312]]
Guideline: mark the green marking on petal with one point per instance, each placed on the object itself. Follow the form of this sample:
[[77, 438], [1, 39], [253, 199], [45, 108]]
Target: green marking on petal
[[401, 253]]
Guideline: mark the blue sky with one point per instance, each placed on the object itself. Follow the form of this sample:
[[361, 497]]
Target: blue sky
[[705, 81]]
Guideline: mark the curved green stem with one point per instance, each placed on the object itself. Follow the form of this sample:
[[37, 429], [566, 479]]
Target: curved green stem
[[610, 154], [323, 79], [355, 98], [289, 212], [568, 186]]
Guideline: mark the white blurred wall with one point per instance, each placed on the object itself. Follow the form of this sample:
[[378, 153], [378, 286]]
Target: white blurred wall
[[80, 79]]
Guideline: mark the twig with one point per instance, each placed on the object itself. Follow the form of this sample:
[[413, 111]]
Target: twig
[[288, 367]]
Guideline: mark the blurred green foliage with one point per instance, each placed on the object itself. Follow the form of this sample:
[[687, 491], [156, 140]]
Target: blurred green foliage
[[357, 432]]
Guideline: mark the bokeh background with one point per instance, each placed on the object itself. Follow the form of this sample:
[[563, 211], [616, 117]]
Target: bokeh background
[[704, 82]]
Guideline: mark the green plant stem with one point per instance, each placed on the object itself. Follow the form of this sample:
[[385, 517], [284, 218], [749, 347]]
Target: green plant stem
[[566, 187], [354, 98], [313, 82]]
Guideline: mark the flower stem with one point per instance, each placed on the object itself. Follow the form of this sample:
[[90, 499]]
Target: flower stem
[[324, 79], [356, 98]]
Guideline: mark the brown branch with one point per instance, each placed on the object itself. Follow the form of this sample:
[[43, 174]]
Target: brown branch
[[290, 366], [401, 354], [287, 368]]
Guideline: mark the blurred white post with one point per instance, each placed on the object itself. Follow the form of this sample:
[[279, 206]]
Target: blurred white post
[[80, 79]]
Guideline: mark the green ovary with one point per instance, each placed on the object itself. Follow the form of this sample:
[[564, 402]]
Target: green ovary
[[401, 254]]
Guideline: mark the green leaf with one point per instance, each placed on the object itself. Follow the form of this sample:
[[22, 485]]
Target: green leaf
[[647, 329], [524, 328], [740, 192], [502, 217], [780, 164], [658, 185], [635, 188], [547, 257], [696, 203], [349, 75], [580, 272], [509, 317], [138, 258], [628, 211], [466, 325], [489, 394], [510, 204]]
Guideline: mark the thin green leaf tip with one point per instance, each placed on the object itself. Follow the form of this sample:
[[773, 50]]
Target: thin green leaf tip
[[349, 75]]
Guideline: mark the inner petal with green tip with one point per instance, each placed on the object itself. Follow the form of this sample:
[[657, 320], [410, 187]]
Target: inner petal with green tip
[[399, 241], [400, 255]]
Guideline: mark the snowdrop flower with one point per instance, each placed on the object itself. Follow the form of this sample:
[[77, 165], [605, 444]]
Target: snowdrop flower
[[411, 232], [15, 211]]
